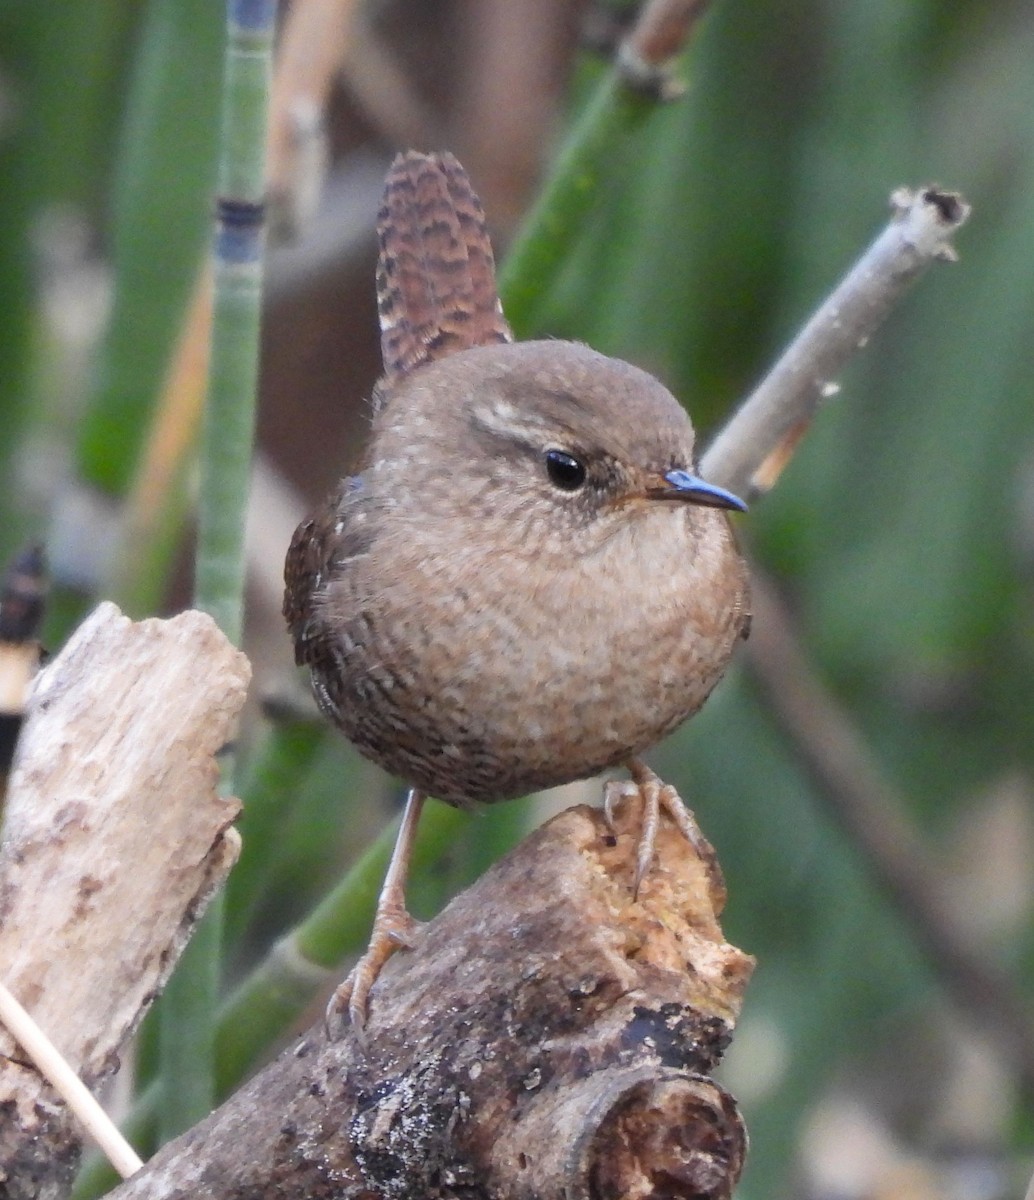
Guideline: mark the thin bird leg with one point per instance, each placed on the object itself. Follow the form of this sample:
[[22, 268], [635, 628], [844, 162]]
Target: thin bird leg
[[392, 927], [657, 797]]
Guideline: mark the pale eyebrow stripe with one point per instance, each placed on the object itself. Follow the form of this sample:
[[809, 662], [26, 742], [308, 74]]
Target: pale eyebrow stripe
[[504, 419]]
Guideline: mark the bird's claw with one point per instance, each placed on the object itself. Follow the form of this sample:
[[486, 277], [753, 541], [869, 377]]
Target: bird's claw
[[393, 929], [657, 797], [615, 793]]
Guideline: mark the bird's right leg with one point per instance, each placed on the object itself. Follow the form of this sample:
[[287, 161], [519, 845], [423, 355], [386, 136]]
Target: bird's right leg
[[392, 927]]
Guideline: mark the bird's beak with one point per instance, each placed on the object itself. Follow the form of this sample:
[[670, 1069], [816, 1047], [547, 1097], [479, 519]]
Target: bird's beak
[[681, 485]]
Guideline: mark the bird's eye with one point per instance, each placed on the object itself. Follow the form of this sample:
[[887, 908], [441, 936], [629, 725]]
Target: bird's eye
[[564, 470]]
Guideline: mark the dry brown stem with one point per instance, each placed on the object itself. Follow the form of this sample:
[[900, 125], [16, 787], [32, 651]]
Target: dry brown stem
[[114, 838], [660, 33], [312, 45], [548, 1036], [872, 813], [663, 28]]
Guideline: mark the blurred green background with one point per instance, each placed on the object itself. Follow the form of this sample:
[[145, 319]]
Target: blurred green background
[[902, 535]]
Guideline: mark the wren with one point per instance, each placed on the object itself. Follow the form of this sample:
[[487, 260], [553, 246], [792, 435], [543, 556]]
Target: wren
[[524, 582]]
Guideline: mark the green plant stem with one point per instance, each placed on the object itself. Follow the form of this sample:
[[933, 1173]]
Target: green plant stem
[[302, 964], [229, 419], [274, 779], [189, 1006], [262, 1008], [542, 245]]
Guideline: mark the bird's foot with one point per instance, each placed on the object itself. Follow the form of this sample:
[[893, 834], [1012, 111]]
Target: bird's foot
[[393, 929], [657, 797]]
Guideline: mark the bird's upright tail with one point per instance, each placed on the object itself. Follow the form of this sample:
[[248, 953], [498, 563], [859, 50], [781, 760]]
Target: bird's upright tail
[[436, 287]]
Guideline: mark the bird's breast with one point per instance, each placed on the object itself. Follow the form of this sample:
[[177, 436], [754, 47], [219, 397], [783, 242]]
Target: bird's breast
[[480, 676]]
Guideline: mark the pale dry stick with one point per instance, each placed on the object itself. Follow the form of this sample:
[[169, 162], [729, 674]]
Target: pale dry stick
[[661, 32], [867, 807], [68, 1085], [315, 39], [772, 417], [746, 458]]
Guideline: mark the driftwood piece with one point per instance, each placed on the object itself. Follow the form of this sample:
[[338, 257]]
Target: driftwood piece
[[549, 1035], [114, 838]]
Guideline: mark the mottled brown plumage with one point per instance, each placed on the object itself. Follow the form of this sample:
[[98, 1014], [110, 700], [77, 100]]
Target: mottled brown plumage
[[436, 290], [524, 584], [481, 632]]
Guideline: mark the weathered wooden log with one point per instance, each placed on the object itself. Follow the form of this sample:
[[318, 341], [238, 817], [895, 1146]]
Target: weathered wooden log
[[548, 1035]]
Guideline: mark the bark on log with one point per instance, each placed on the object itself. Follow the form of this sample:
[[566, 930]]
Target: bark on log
[[114, 838], [549, 1035]]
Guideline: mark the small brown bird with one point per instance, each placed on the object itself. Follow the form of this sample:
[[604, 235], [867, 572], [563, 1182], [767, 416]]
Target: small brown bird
[[524, 583]]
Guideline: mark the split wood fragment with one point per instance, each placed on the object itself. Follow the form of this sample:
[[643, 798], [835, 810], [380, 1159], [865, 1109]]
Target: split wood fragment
[[114, 839]]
